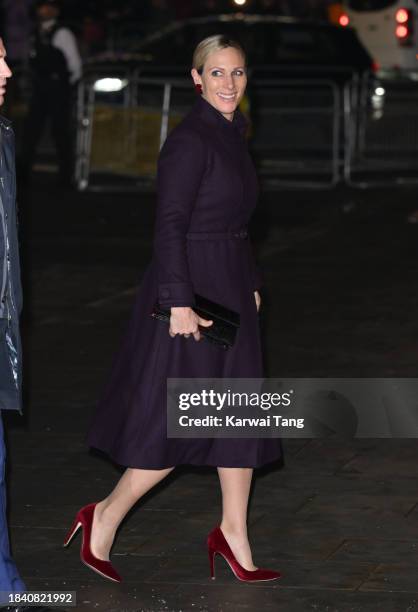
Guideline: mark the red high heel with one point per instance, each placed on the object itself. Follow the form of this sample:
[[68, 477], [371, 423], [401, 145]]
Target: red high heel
[[217, 544], [84, 519]]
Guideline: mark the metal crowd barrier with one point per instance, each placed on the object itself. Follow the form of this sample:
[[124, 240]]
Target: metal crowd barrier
[[304, 133], [381, 128], [294, 137]]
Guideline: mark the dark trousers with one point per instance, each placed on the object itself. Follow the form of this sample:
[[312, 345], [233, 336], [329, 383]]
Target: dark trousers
[[9, 576], [51, 101]]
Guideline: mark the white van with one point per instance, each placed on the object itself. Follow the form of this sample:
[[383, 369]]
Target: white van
[[387, 28]]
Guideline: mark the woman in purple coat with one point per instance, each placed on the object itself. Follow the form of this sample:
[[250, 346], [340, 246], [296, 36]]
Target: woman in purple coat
[[207, 190]]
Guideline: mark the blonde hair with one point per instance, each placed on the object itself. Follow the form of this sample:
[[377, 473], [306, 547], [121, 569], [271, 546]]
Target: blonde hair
[[210, 45]]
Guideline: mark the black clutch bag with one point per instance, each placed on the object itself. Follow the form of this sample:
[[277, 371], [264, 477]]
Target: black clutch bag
[[225, 324]]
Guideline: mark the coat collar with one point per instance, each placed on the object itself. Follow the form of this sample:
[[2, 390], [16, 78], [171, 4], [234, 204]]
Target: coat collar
[[211, 115]]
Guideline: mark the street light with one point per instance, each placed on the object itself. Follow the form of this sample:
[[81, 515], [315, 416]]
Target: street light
[[109, 85]]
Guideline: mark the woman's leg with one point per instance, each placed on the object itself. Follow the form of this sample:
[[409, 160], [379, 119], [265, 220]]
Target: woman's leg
[[110, 512], [235, 485]]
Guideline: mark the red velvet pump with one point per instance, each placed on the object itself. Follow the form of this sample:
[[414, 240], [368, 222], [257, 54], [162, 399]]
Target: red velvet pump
[[217, 544], [84, 519]]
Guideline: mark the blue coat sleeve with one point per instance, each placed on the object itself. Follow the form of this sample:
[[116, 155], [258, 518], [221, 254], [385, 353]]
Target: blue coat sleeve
[[181, 166]]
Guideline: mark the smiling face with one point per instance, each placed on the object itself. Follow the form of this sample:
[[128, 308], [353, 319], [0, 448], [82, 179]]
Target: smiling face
[[223, 80], [5, 72]]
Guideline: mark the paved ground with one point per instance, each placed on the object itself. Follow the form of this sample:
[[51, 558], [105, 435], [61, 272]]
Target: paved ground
[[340, 519]]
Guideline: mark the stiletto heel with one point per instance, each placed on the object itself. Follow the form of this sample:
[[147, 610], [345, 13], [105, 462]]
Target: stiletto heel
[[217, 544], [74, 528], [211, 553], [84, 519]]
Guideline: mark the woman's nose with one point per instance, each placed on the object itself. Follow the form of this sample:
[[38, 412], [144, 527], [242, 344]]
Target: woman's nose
[[5, 71]]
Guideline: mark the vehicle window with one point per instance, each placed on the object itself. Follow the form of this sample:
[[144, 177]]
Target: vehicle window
[[245, 34], [161, 49], [264, 43], [305, 46], [184, 39], [293, 45], [370, 5], [270, 43]]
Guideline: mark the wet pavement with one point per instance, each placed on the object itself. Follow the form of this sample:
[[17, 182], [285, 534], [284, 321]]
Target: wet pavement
[[339, 519]]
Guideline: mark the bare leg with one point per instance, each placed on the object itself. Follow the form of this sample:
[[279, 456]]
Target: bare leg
[[110, 512], [235, 485]]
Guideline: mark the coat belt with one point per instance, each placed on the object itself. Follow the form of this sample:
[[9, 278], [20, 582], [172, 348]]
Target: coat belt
[[241, 234]]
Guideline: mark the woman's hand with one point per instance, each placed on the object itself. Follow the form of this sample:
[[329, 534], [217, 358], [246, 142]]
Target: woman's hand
[[257, 300], [185, 321]]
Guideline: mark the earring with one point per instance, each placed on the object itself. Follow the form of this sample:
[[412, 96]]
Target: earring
[[198, 88]]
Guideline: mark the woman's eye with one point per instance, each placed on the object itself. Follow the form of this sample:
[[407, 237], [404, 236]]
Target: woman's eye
[[219, 72]]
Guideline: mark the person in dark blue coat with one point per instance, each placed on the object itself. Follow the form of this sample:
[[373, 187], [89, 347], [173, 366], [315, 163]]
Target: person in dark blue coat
[[207, 190], [10, 307], [10, 344]]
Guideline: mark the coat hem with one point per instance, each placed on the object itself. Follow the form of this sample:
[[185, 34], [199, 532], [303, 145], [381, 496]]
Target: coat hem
[[124, 463]]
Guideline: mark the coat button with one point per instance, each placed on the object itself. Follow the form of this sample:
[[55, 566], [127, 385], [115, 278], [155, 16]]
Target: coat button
[[165, 293]]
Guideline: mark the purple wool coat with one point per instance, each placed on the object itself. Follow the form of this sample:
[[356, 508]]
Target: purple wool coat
[[206, 186]]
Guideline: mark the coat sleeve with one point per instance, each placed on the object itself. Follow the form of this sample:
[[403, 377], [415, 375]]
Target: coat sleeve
[[181, 166]]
